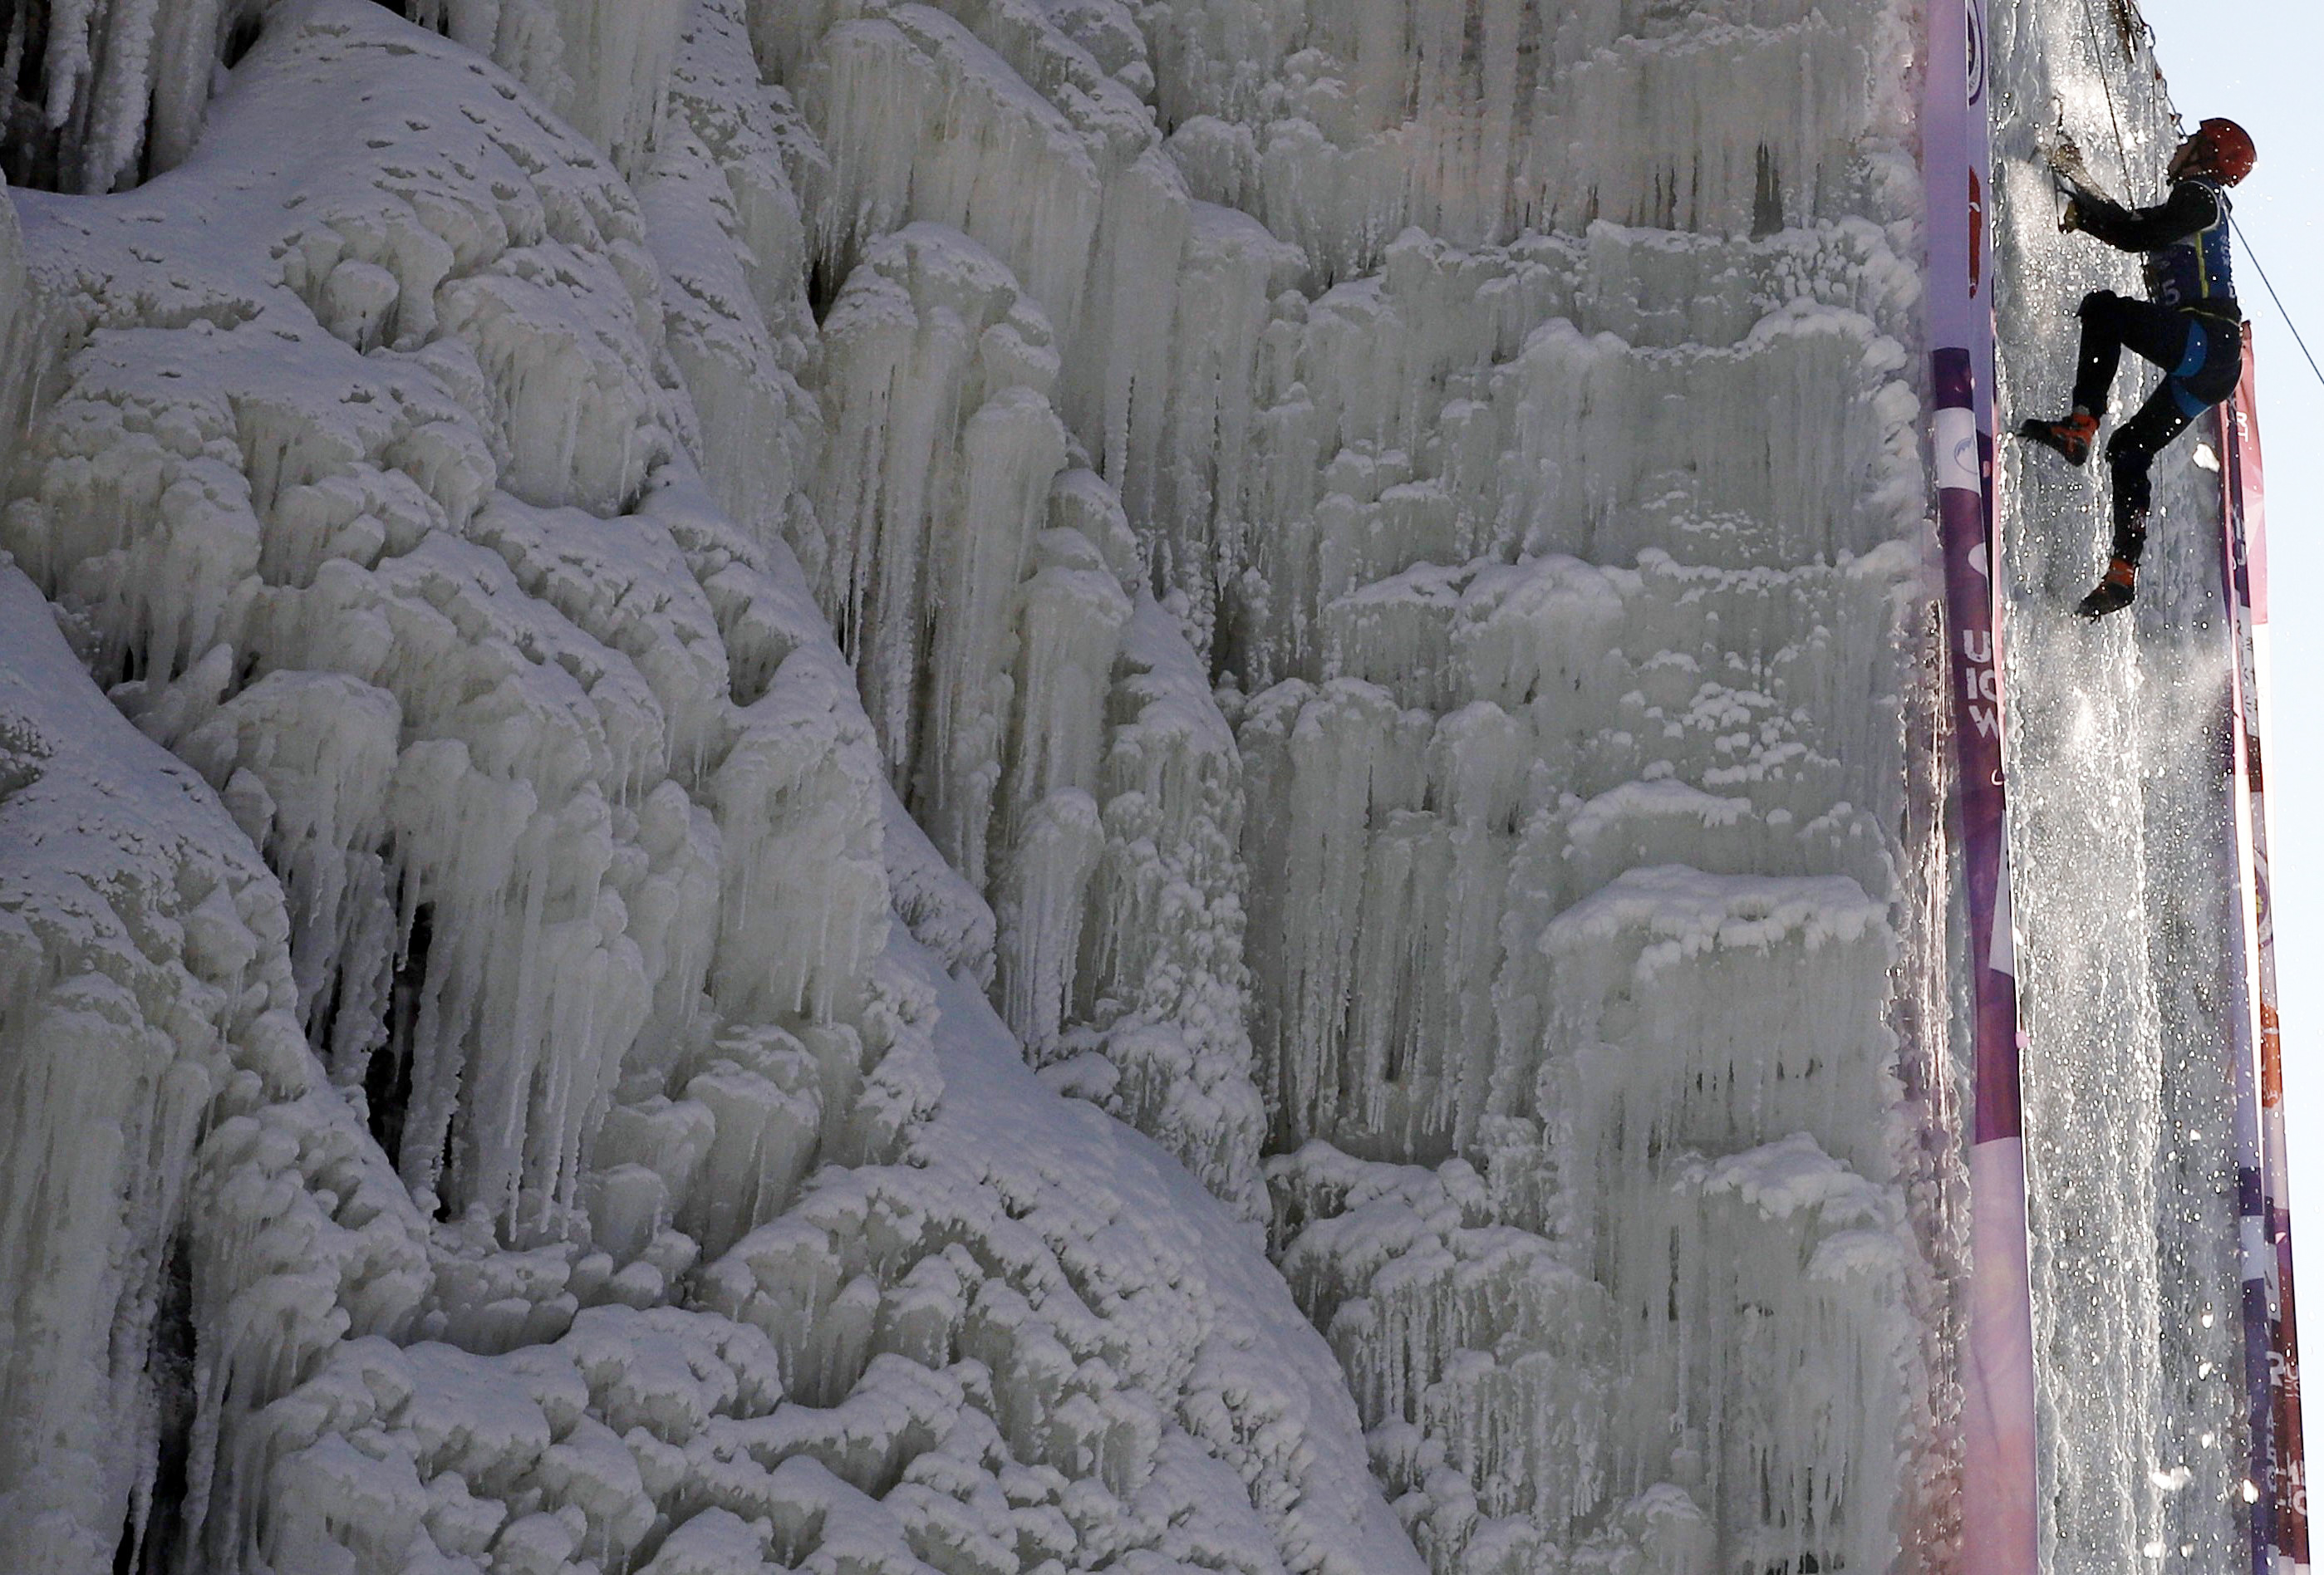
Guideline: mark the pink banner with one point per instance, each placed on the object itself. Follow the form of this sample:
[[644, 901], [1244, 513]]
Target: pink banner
[[1999, 1530], [2279, 1471]]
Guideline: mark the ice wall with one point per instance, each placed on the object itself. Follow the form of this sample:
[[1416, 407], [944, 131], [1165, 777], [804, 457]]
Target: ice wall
[[2117, 765], [193, 1216], [764, 589], [1615, 806], [487, 1084]]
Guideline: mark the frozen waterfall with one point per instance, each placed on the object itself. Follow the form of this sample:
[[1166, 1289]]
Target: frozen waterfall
[[1052, 784]]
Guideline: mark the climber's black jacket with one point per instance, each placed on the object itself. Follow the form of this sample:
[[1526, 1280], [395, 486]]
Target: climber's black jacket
[[2189, 260]]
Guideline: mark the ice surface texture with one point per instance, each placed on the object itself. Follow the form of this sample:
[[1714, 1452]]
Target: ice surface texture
[[508, 944], [758, 628], [2118, 759]]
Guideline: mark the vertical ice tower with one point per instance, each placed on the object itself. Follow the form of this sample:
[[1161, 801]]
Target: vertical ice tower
[[991, 785], [1573, 670]]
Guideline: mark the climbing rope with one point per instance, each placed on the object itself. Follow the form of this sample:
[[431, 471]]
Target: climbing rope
[[2245, 241], [2098, 51]]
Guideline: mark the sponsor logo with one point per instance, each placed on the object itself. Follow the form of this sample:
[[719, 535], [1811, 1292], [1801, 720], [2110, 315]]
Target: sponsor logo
[[1981, 685], [1973, 30], [1976, 235], [1957, 455]]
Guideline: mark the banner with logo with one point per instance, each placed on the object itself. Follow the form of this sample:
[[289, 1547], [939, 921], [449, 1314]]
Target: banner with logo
[[1999, 1533], [2279, 1466]]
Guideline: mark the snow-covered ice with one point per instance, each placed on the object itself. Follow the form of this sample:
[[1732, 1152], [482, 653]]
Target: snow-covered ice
[[468, 1025], [1008, 785]]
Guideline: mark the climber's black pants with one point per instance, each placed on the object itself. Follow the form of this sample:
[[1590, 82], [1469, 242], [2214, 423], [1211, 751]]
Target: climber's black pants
[[2201, 357]]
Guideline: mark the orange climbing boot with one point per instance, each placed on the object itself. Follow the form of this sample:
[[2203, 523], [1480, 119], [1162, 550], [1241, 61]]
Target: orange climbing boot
[[2114, 593], [2071, 436]]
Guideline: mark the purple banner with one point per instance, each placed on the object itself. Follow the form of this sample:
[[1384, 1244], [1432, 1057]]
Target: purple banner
[[2251, 1204], [2279, 1469], [1999, 1529]]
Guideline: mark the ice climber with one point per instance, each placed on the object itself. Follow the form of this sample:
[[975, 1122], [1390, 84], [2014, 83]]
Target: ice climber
[[2189, 325]]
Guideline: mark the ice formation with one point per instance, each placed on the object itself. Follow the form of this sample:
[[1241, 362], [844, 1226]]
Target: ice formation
[[2128, 1093], [473, 1103], [744, 636]]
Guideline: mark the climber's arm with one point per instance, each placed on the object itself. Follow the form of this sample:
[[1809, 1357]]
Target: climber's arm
[[2190, 208]]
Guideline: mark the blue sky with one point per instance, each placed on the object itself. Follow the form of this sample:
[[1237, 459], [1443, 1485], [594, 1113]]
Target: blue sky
[[2255, 62]]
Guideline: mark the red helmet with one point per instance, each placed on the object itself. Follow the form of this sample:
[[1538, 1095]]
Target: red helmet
[[2219, 148]]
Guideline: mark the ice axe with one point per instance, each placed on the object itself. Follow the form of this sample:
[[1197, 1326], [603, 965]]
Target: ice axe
[[2070, 175]]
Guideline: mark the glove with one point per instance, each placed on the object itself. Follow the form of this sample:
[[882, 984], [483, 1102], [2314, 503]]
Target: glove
[[2071, 219]]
